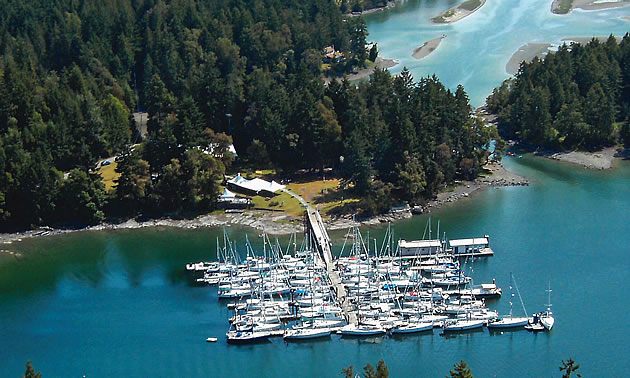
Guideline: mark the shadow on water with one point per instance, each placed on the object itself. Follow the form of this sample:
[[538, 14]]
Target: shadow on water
[[410, 336], [309, 342], [550, 169], [506, 331], [461, 334]]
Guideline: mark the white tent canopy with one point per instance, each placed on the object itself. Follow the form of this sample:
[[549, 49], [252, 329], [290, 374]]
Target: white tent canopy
[[227, 194], [255, 185]]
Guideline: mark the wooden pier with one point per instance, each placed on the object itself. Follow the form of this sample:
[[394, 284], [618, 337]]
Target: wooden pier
[[314, 225]]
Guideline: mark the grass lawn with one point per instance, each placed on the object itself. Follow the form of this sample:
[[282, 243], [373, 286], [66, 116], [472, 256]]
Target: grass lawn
[[312, 190], [325, 195], [109, 174], [282, 201]]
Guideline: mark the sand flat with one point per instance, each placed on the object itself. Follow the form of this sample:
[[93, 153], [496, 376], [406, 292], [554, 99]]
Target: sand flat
[[591, 4], [427, 48], [526, 53], [455, 14]]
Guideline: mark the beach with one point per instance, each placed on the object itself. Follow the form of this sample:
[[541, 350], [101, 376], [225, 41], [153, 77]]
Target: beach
[[531, 50], [381, 63], [427, 48], [603, 159], [526, 53], [456, 13], [587, 5]]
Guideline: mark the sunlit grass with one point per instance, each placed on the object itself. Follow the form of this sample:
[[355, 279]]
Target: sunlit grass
[[109, 175]]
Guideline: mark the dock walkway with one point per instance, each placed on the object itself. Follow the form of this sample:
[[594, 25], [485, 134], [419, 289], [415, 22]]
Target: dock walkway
[[315, 224]]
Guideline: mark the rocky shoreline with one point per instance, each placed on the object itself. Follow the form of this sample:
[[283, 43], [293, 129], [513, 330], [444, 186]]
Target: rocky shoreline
[[279, 223]]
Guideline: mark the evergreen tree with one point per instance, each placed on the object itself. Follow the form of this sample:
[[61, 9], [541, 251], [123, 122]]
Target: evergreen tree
[[30, 371], [569, 367], [82, 197], [460, 370]]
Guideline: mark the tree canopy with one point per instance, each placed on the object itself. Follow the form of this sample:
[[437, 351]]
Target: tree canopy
[[210, 73], [575, 98]]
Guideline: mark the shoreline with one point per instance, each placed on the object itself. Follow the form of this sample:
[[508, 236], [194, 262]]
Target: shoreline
[[278, 223], [382, 63], [390, 4], [526, 53], [588, 5], [602, 160], [531, 50], [427, 48], [456, 13]]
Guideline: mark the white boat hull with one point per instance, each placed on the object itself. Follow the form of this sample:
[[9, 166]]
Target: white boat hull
[[509, 323], [362, 331], [306, 333], [463, 325], [547, 322], [412, 328]]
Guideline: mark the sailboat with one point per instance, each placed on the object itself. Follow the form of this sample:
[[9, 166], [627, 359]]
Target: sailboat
[[546, 318], [511, 321]]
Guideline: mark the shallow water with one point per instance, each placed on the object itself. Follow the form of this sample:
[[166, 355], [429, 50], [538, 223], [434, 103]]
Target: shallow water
[[477, 48], [119, 304]]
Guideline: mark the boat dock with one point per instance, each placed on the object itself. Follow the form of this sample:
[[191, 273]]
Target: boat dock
[[315, 225], [326, 294]]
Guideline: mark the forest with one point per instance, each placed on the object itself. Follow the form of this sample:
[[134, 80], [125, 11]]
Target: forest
[[209, 73], [575, 98]]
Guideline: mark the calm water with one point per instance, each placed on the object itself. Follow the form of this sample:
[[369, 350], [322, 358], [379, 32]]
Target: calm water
[[118, 303], [477, 48]]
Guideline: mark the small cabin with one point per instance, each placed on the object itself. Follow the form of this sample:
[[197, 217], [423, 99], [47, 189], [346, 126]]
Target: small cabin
[[419, 247]]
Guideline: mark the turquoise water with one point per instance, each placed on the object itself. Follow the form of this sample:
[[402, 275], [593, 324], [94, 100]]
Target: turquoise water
[[119, 304], [477, 48]]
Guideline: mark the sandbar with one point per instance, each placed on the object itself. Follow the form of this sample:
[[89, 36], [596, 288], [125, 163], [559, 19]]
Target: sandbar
[[588, 5], [592, 160], [381, 63], [456, 13], [427, 48], [526, 53]]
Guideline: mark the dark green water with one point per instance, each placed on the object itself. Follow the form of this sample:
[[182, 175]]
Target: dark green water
[[119, 304]]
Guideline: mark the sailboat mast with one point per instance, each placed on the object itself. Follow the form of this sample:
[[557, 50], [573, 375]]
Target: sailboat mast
[[518, 292]]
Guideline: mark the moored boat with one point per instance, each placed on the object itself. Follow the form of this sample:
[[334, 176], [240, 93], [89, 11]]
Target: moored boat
[[509, 322], [462, 325], [546, 318], [412, 327], [244, 337], [306, 333], [362, 330]]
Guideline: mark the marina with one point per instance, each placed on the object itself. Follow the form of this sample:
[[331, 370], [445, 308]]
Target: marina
[[395, 287], [105, 294]]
